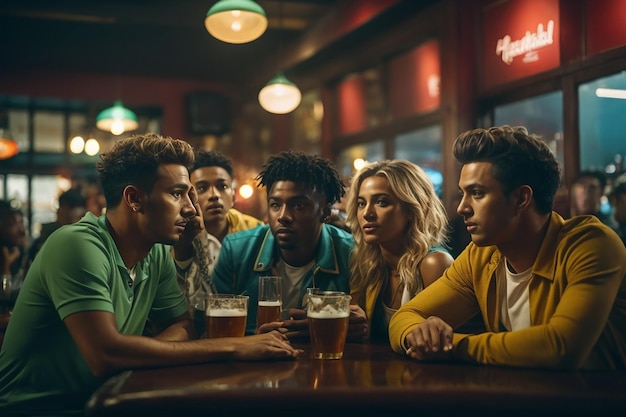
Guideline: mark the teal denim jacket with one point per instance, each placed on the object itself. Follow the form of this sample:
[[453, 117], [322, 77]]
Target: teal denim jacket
[[247, 255]]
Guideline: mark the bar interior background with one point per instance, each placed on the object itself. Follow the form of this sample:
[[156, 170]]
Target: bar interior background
[[379, 79]]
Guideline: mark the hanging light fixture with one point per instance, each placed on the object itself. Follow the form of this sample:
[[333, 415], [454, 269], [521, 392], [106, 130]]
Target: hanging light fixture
[[8, 146], [279, 95], [117, 119], [236, 21]]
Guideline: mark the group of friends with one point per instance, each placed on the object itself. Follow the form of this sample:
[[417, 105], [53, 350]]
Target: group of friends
[[125, 290]]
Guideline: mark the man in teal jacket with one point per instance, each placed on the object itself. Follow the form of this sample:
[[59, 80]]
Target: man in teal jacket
[[297, 244]]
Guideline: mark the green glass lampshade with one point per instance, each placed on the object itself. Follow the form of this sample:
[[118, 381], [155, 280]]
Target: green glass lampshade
[[280, 95], [117, 119], [236, 21]]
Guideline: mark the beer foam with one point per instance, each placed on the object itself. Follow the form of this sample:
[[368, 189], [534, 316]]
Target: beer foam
[[224, 312], [328, 313], [270, 303]]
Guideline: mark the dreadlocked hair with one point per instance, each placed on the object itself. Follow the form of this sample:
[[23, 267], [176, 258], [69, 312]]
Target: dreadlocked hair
[[314, 172]]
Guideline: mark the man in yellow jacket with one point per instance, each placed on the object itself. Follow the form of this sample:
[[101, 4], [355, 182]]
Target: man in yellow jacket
[[551, 292]]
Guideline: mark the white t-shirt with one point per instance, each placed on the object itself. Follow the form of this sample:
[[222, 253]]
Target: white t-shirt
[[291, 283], [513, 293]]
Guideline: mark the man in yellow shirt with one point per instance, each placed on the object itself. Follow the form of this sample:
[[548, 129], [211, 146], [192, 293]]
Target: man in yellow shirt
[[551, 292]]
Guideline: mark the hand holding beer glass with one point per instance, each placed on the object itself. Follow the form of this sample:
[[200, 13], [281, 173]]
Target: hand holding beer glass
[[328, 313], [226, 315], [270, 300]]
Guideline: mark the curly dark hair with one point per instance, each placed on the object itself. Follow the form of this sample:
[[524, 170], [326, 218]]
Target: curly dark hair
[[212, 159], [136, 160], [316, 173], [518, 158]]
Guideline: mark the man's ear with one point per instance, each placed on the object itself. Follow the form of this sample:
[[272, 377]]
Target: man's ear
[[326, 213], [133, 198], [524, 197]]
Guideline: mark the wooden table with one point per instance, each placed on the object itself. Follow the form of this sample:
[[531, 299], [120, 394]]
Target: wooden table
[[369, 380]]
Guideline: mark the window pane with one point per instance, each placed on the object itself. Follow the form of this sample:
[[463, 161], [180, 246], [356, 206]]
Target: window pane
[[423, 147], [17, 189], [18, 123], [602, 141], [370, 152], [46, 189], [49, 131], [541, 115]]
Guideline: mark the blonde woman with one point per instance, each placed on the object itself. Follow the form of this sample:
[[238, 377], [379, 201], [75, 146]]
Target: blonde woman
[[399, 226]]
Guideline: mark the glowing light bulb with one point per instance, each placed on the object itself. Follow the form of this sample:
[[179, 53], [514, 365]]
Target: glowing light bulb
[[92, 147], [358, 163], [117, 127], [246, 191], [77, 144], [236, 26]]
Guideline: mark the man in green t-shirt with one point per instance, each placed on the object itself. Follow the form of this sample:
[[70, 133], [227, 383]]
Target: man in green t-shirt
[[80, 315]]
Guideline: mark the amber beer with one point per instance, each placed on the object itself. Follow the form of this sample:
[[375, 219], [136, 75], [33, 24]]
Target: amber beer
[[226, 315], [328, 331], [268, 311], [269, 300]]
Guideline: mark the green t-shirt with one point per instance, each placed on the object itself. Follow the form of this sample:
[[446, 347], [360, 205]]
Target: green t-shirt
[[78, 269]]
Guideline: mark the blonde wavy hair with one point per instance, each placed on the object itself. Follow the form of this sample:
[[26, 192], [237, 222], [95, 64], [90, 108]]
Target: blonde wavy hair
[[427, 227]]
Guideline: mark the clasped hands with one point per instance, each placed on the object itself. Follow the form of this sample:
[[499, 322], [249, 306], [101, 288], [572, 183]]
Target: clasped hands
[[431, 340]]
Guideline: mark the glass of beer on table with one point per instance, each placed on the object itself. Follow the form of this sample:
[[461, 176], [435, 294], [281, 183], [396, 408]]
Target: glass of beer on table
[[270, 300], [328, 313], [226, 315]]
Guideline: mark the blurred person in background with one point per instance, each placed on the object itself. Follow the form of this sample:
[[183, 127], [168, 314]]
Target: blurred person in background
[[72, 206], [586, 194], [12, 252], [617, 197]]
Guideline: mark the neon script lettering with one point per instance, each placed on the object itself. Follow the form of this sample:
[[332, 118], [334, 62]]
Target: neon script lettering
[[528, 44]]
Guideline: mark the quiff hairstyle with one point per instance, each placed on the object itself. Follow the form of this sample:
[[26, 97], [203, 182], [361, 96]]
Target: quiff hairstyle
[[136, 160], [518, 158]]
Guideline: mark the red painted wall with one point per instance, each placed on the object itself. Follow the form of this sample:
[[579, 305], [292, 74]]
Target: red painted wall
[[351, 103], [414, 80], [606, 24]]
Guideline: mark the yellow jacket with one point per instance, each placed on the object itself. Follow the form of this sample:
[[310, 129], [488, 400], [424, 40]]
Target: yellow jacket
[[577, 302]]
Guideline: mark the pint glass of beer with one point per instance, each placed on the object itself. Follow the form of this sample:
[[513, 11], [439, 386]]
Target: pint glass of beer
[[226, 315], [270, 300], [328, 313]]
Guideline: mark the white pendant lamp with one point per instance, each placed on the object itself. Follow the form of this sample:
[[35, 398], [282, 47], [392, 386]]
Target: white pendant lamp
[[280, 95], [236, 21], [117, 119]]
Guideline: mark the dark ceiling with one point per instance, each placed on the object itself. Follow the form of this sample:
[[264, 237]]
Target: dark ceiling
[[167, 38], [164, 38]]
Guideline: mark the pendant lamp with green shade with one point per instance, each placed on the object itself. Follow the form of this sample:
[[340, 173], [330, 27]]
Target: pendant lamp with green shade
[[236, 21], [117, 119], [280, 95]]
